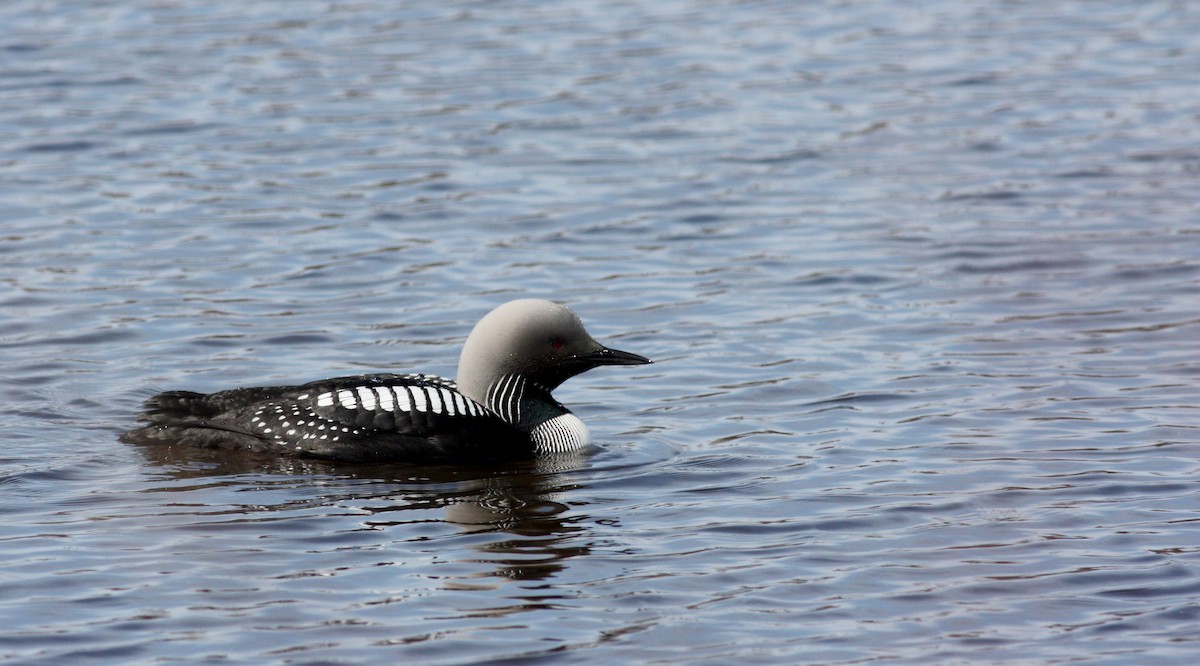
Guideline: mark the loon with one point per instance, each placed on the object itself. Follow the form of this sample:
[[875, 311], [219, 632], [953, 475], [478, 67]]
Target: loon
[[499, 409]]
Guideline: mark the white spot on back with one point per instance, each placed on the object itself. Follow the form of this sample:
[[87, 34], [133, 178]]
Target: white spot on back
[[367, 396], [403, 401], [325, 399], [418, 397], [347, 399], [387, 400], [435, 399]]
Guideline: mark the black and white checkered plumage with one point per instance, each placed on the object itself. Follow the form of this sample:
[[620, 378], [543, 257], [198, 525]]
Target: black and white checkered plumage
[[512, 361]]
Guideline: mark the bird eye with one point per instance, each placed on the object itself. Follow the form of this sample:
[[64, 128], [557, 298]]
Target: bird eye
[[556, 344]]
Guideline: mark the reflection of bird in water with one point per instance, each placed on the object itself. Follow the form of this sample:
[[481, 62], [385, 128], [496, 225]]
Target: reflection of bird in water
[[523, 528], [536, 535], [501, 408]]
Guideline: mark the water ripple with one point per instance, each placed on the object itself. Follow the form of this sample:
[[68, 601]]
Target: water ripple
[[920, 284]]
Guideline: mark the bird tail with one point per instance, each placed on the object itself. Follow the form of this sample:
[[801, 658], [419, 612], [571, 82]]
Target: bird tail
[[175, 406]]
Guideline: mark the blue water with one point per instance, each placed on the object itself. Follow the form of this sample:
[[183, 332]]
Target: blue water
[[922, 284]]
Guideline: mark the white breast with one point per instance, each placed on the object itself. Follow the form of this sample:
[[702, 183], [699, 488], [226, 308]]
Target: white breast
[[560, 434]]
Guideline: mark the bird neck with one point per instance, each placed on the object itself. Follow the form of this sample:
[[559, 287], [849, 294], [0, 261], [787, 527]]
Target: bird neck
[[529, 406], [522, 402]]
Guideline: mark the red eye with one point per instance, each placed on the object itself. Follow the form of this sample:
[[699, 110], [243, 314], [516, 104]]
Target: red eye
[[556, 344]]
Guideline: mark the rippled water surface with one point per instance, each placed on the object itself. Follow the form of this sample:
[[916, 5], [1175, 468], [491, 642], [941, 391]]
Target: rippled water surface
[[922, 284]]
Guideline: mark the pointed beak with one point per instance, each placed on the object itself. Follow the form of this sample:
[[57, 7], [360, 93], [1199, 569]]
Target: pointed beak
[[606, 356], [579, 363]]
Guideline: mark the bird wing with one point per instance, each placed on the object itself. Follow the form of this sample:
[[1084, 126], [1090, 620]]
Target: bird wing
[[356, 418], [418, 405]]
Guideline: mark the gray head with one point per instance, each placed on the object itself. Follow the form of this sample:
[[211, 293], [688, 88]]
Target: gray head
[[543, 342]]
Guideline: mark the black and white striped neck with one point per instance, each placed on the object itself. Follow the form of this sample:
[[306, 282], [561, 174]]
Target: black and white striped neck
[[530, 407]]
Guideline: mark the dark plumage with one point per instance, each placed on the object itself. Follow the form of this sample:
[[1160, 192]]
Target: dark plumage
[[500, 409]]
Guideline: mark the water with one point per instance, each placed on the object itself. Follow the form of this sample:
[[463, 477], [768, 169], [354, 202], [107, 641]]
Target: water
[[923, 285]]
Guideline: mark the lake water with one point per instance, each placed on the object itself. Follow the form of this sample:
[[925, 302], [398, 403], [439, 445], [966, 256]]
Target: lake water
[[922, 281]]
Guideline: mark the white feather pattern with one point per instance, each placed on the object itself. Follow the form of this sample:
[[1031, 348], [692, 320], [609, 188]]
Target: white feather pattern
[[561, 434]]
